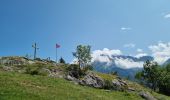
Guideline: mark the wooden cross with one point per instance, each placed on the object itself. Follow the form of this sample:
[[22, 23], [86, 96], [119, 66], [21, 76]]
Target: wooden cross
[[35, 50]]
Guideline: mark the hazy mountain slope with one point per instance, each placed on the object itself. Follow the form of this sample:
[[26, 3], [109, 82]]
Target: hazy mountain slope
[[118, 63]]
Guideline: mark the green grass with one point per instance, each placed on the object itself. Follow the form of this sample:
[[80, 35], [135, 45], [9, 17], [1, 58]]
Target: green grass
[[106, 76], [15, 86]]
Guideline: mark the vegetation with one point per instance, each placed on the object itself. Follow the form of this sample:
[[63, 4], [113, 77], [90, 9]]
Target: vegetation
[[15, 86], [74, 71], [83, 55], [61, 60], [156, 77]]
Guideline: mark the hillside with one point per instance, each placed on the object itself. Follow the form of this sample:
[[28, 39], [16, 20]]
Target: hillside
[[15, 86], [30, 82]]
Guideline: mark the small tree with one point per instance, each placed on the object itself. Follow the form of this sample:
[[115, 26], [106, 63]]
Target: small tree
[[62, 60], [83, 55], [150, 74]]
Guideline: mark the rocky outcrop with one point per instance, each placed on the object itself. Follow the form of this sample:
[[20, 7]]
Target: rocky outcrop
[[57, 73], [73, 79], [10, 61], [92, 80], [119, 84], [146, 95]]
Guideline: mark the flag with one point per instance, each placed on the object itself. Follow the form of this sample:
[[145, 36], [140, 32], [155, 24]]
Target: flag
[[57, 46]]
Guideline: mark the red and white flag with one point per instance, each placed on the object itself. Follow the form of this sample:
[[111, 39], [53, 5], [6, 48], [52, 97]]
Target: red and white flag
[[58, 46]]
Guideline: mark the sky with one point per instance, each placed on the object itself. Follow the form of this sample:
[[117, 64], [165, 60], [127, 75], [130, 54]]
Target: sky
[[132, 26]]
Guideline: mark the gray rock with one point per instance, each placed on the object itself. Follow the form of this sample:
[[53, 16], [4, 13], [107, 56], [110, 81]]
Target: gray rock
[[146, 95], [73, 79], [131, 89], [92, 80], [7, 68], [53, 73], [119, 84]]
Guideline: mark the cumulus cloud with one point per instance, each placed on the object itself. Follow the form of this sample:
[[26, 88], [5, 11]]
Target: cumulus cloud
[[141, 55], [160, 52], [125, 28], [128, 63], [130, 45], [104, 55], [167, 16]]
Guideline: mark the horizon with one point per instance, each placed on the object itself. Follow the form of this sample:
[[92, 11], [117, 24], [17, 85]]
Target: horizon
[[135, 28]]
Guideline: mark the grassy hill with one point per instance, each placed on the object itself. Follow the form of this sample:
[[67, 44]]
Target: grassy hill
[[16, 86], [23, 79]]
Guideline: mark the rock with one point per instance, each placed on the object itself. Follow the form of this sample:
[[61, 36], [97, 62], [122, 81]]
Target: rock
[[73, 79], [146, 95], [92, 80], [10, 61], [6, 68], [119, 84], [131, 89], [53, 72]]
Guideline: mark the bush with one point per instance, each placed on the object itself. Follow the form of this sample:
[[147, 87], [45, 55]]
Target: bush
[[108, 84], [75, 71], [88, 67], [35, 69]]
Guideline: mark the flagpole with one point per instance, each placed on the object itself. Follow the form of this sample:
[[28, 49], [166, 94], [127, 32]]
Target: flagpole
[[56, 55]]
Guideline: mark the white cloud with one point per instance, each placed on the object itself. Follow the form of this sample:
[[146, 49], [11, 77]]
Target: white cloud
[[125, 28], [139, 50], [104, 55], [130, 45], [128, 63], [160, 52], [141, 55], [167, 16]]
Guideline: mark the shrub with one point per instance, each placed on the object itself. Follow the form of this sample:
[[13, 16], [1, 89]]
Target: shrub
[[75, 71], [35, 69], [108, 84]]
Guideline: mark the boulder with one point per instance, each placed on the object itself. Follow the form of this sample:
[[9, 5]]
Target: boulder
[[7, 68], [54, 72], [73, 79], [146, 95], [92, 80], [119, 84], [130, 89]]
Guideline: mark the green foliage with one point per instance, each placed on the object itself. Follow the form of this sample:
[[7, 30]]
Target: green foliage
[[108, 84], [87, 67], [35, 69], [74, 70], [156, 77], [164, 84], [62, 61], [151, 74], [83, 55]]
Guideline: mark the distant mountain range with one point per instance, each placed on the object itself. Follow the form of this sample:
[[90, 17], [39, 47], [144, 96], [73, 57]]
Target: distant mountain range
[[125, 66]]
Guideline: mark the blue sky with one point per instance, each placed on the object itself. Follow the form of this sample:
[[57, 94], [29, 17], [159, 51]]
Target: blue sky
[[126, 25]]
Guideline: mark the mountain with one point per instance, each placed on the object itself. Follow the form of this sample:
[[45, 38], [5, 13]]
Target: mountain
[[125, 66], [167, 62]]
